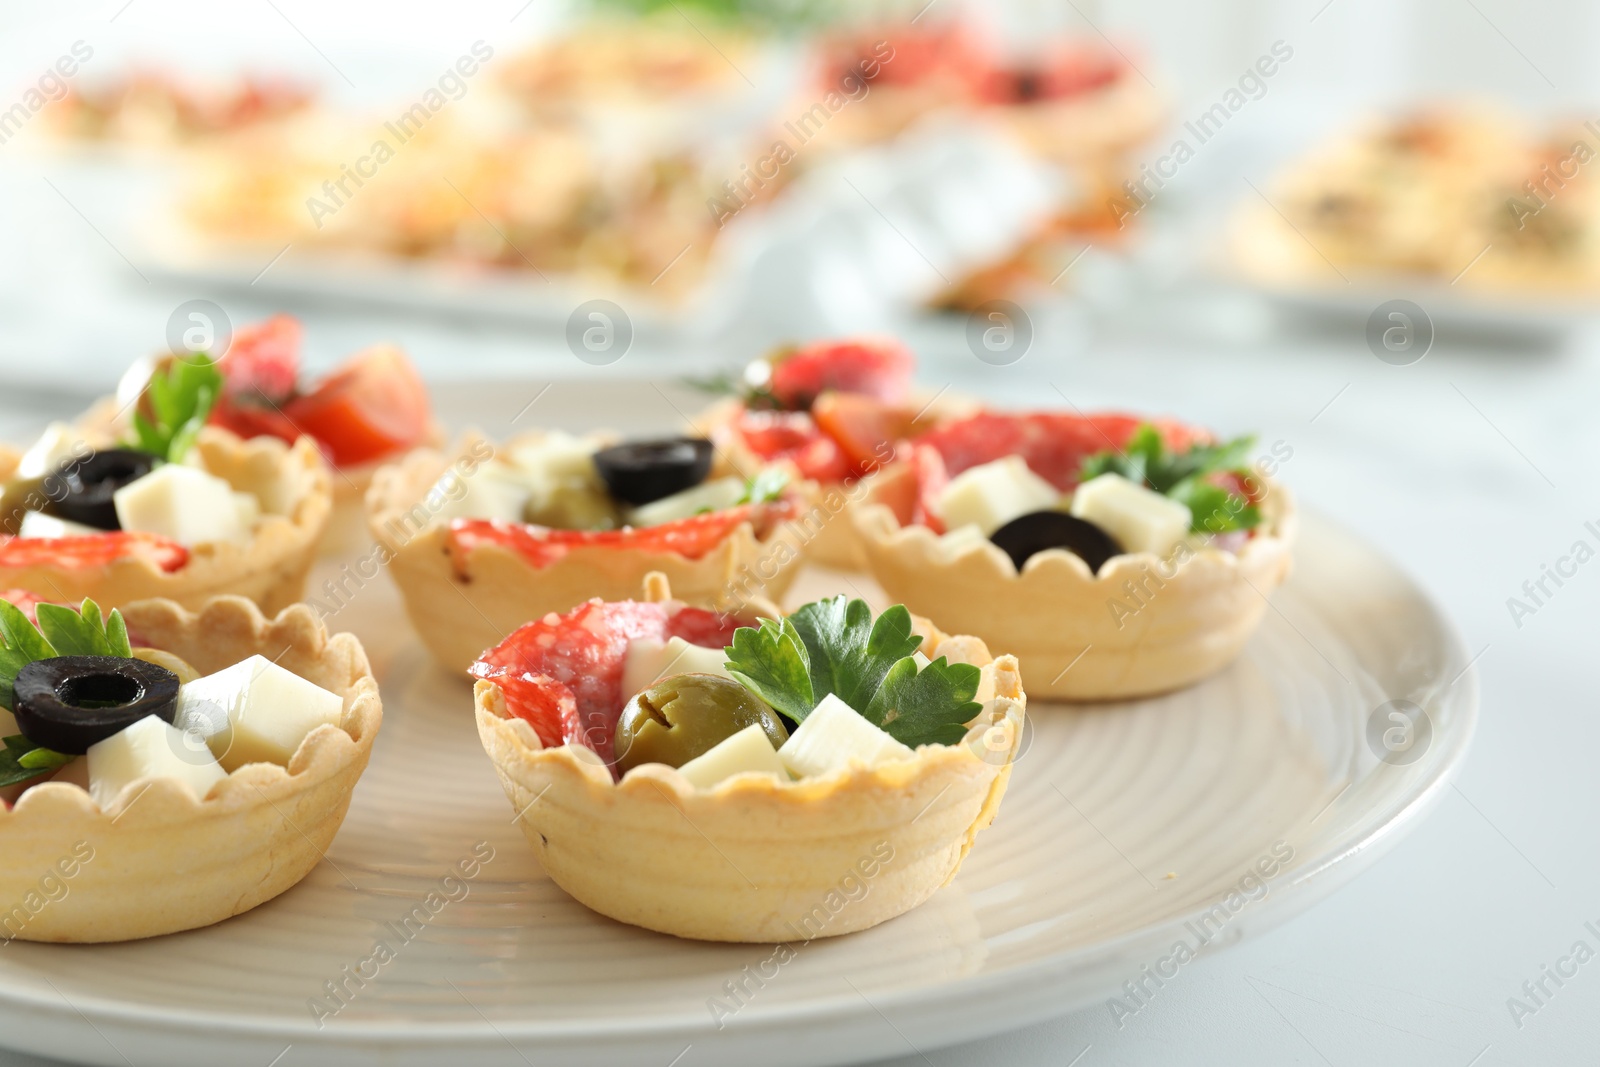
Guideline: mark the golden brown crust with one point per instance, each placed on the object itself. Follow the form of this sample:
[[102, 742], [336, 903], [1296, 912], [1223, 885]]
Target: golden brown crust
[[163, 860], [460, 615], [753, 859], [1143, 625], [293, 488]]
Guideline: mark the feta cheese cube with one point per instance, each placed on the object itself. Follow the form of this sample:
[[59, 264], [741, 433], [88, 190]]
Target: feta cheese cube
[[716, 495], [255, 712], [150, 748], [180, 502], [749, 750], [649, 661], [558, 457], [992, 494], [493, 491], [59, 442], [38, 524], [1138, 519], [834, 736], [956, 542]]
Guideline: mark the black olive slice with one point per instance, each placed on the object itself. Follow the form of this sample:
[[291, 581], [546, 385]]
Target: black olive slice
[[1023, 537], [643, 471], [81, 489], [68, 703]]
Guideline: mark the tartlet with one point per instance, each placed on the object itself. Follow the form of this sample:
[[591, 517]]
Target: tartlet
[[1142, 623], [465, 598], [157, 860], [755, 859], [291, 484]]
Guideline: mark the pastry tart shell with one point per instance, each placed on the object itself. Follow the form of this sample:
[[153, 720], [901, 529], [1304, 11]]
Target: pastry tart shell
[[754, 859], [159, 859], [1144, 625], [292, 485], [458, 615]]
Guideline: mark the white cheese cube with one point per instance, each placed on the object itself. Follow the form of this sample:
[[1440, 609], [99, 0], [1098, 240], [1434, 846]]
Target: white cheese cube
[[149, 748], [749, 750], [180, 502], [557, 457], [1138, 519], [59, 442], [834, 736], [992, 494], [38, 524], [255, 712], [493, 491], [716, 495], [650, 660]]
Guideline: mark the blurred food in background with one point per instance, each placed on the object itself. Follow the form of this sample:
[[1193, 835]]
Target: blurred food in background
[[1460, 193], [154, 107]]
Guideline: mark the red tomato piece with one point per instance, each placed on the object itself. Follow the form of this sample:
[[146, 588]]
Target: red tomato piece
[[91, 550], [372, 407], [793, 436], [866, 429], [259, 372], [563, 673], [879, 369]]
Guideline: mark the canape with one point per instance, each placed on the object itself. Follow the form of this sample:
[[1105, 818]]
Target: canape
[[484, 538], [171, 508], [166, 770], [1115, 557], [733, 779], [831, 412], [369, 411]]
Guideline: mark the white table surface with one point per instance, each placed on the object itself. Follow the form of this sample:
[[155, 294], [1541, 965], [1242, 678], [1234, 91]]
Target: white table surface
[[1473, 468]]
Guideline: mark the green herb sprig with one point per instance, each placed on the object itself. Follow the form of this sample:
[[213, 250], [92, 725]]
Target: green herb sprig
[[1185, 477], [836, 646], [180, 397], [61, 631]]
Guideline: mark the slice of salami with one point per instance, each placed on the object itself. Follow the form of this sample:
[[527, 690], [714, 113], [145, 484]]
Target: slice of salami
[[563, 673], [794, 437], [691, 538], [1053, 444]]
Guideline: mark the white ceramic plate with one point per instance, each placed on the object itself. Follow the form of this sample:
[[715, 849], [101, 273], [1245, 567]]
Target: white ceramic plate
[[1124, 824]]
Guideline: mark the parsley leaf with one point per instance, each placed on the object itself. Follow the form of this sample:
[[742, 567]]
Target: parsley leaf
[[178, 400], [850, 653], [1183, 476], [835, 646], [772, 663], [74, 633], [927, 707], [767, 486]]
